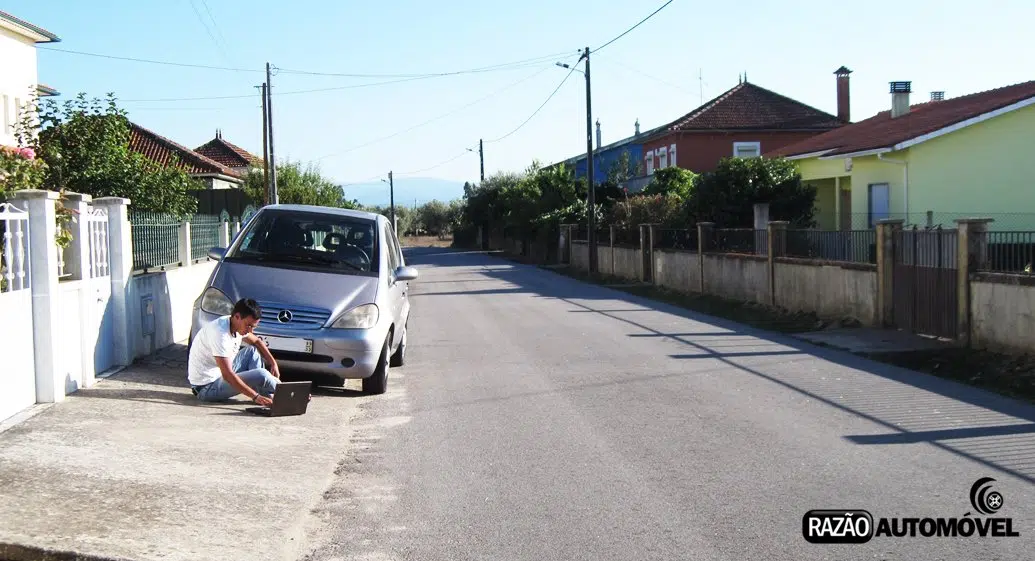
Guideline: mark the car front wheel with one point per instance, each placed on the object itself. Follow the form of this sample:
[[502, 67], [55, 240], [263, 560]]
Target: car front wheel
[[399, 358], [377, 383]]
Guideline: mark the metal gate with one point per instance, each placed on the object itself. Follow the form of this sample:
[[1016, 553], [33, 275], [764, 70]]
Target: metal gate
[[925, 285]]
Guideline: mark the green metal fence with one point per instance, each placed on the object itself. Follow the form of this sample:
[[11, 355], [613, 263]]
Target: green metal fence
[[204, 235], [155, 240]]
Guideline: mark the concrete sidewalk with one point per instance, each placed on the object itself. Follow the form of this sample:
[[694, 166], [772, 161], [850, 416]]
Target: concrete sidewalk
[[136, 468]]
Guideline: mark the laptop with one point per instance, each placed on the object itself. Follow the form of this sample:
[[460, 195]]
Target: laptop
[[290, 398]]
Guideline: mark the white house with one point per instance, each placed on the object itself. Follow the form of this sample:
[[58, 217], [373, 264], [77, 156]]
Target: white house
[[18, 77]]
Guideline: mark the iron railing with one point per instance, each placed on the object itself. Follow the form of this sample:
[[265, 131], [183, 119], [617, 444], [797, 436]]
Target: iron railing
[[204, 235], [739, 240], [156, 240], [627, 236], [1010, 252], [857, 246], [676, 239]]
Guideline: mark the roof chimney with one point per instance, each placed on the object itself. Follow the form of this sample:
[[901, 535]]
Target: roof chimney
[[900, 98], [637, 127], [937, 96], [219, 134], [843, 100], [598, 134]]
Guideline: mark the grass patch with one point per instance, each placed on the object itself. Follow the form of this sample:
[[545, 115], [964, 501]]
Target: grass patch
[[426, 241]]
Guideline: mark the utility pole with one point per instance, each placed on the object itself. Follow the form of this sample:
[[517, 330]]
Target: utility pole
[[481, 156], [274, 197], [589, 174], [391, 195], [265, 151]]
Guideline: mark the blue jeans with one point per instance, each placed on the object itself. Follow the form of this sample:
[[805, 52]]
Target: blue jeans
[[248, 366]]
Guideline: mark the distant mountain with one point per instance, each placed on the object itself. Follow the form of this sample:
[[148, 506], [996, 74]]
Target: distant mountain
[[407, 190]]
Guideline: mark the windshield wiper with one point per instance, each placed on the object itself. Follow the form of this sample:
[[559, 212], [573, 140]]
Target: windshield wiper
[[308, 259]]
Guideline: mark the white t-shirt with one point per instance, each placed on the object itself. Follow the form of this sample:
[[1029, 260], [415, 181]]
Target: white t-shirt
[[211, 341]]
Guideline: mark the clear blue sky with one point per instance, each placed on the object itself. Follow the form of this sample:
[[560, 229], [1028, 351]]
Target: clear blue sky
[[651, 74]]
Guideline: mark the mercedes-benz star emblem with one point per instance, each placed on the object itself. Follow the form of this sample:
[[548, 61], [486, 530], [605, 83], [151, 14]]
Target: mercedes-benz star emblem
[[284, 316]]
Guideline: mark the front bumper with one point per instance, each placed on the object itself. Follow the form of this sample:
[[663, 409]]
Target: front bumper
[[337, 353]]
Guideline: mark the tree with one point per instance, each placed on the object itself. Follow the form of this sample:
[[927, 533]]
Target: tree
[[296, 185], [672, 180], [85, 145], [727, 195]]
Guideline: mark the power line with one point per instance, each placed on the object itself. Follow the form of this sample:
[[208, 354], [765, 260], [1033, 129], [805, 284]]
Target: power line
[[635, 26], [502, 66], [433, 119], [167, 63], [536, 112], [211, 35], [644, 74], [294, 92], [438, 165]]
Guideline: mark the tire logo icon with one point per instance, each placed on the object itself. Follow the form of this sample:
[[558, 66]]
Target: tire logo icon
[[984, 501]]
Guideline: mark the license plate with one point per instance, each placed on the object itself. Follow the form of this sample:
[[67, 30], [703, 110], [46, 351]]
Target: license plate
[[287, 344]]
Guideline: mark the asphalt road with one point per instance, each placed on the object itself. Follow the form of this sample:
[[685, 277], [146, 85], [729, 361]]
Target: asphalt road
[[540, 418]]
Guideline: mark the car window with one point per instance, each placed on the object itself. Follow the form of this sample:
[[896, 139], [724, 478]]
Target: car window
[[326, 242], [393, 256], [395, 247]]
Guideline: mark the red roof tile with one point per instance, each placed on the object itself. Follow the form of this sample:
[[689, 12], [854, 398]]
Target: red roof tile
[[881, 131], [161, 150], [227, 153], [750, 107]]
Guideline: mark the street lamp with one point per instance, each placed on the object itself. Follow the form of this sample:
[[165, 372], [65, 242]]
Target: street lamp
[[591, 185]]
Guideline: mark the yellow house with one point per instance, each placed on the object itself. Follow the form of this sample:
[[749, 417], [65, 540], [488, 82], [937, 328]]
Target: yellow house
[[928, 163]]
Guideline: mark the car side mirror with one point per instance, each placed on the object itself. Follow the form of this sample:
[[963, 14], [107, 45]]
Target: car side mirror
[[405, 273], [216, 253]]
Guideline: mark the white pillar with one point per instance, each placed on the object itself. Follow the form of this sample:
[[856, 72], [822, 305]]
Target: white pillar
[[224, 234], [185, 260], [77, 257], [43, 271], [237, 228], [120, 242]]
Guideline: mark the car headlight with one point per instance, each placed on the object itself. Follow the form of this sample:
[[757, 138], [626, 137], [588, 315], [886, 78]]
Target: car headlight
[[360, 317], [214, 301]]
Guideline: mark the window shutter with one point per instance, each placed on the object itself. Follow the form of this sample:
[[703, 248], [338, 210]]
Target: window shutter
[[672, 155], [650, 162], [662, 157]]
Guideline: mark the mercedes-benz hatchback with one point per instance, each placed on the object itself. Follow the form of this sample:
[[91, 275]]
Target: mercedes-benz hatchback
[[332, 284]]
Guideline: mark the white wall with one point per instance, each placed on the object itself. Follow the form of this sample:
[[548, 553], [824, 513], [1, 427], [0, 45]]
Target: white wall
[[18, 373], [166, 299], [17, 80]]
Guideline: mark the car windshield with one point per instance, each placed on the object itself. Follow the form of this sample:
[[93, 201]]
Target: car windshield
[[324, 242]]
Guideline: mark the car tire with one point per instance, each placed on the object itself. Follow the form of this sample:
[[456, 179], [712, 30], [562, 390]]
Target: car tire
[[377, 383], [399, 358]]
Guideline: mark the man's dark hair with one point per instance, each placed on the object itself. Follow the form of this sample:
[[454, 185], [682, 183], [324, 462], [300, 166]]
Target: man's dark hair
[[247, 308]]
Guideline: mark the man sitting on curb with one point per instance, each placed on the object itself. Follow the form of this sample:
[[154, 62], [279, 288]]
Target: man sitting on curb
[[210, 372]]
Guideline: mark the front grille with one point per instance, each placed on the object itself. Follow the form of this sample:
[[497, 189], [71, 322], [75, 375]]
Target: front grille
[[301, 316]]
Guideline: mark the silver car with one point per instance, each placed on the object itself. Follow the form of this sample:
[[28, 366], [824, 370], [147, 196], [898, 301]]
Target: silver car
[[332, 285]]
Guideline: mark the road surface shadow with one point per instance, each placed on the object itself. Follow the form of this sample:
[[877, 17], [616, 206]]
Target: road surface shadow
[[972, 423]]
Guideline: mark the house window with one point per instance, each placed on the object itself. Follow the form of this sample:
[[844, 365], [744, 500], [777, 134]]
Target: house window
[[747, 149], [7, 116], [672, 155], [880, 202], [650, 162], [662, 157]]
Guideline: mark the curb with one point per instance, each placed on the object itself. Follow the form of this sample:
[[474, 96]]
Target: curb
[[16, 552]]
